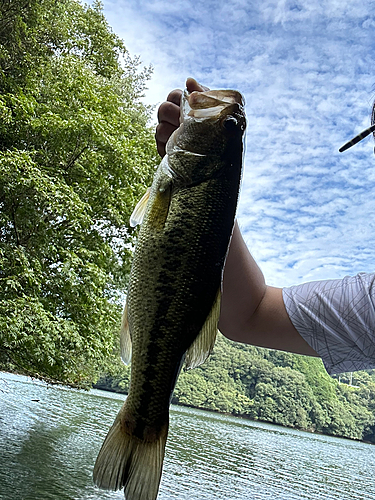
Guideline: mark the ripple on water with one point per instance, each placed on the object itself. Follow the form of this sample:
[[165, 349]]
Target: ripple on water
[[49, 446]]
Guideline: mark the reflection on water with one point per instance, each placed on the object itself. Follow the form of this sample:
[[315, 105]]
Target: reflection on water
[[50, 437]]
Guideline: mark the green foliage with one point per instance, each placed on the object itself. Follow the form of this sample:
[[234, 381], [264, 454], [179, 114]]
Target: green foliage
[[280, 388], [116, 377], [276, 387], [75, 156]]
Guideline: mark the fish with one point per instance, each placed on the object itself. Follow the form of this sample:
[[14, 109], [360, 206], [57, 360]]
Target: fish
[[173, 302]]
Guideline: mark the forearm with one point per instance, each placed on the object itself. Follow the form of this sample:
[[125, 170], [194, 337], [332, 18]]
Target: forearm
[[251, 311], [243, 286]]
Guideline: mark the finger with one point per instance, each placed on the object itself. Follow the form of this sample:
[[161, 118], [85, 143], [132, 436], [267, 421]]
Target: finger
[[163, 132], [175, 96], [192, 85], [161, 148], [170, 113]]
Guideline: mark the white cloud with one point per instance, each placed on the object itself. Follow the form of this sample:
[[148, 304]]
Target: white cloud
[[307, 72]]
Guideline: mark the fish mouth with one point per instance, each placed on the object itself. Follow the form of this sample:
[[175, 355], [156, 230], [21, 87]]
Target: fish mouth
[[209, 104]]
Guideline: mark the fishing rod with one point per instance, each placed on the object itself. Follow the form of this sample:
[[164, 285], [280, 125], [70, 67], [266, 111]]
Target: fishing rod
[[357, 138]]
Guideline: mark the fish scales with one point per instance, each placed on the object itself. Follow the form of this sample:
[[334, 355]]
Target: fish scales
[[181, 302], [174, 287]]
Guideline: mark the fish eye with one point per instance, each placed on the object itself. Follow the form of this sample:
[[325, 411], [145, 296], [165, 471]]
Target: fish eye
[[230, 124]]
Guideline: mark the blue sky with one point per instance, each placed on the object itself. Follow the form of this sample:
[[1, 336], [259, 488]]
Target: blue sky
[[306, 69]]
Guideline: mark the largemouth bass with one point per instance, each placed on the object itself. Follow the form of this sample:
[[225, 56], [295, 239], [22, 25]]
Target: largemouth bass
[[173, 300]]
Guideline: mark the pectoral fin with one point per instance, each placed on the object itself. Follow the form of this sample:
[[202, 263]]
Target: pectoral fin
[[159, 208], [125, 339], [140, 210], [202, 346]]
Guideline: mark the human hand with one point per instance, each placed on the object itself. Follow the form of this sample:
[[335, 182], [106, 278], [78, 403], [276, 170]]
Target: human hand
[[169, 114]]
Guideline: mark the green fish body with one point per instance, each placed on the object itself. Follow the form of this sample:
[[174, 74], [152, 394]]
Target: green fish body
[[173, 300]]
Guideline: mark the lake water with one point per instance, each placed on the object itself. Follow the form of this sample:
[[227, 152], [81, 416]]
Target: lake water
[[50, 437]]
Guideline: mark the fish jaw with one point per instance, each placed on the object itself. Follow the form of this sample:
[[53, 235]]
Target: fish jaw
[[211, 122], [211, 104]]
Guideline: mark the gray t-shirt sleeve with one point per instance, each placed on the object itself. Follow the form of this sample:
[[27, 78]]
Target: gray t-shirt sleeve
[[337, 319]]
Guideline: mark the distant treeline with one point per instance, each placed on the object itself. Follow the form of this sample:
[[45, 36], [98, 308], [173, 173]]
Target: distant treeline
[[272, 386]]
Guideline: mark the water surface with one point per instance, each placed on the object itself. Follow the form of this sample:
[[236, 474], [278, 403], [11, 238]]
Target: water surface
[[50, 437]]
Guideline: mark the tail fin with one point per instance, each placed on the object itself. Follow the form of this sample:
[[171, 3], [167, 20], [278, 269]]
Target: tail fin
[[125, 460]]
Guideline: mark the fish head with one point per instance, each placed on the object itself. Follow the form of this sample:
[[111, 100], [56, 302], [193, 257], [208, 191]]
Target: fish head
[[211, 131]]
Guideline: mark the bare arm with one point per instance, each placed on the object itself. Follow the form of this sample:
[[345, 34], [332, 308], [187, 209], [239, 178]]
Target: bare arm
[[251, 311]]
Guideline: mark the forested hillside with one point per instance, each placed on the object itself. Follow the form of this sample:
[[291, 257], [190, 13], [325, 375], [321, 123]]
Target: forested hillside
[[272, 386], [76, 154]]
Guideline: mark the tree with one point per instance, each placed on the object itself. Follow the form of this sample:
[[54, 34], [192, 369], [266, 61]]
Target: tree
[[75, 155]]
